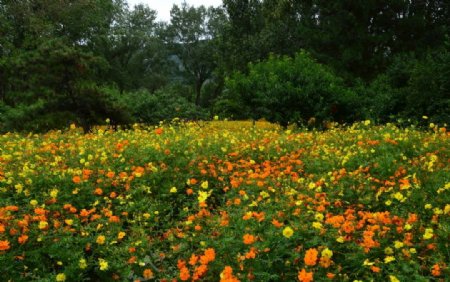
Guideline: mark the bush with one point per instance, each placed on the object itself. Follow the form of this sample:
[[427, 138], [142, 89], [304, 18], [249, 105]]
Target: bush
[[411, 88], [87, 105], [289, 90], [164, 104], [430, 88]]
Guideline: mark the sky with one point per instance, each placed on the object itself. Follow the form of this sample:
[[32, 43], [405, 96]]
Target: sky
[[163, 6]]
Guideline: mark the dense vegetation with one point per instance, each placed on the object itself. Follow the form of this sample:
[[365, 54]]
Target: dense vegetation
[[285, 61], [226, 201]]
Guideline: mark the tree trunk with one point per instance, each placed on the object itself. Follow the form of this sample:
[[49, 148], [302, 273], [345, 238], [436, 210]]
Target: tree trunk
[[198, 90]]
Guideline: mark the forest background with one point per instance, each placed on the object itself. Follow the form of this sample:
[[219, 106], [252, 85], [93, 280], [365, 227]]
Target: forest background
[[290, 62]]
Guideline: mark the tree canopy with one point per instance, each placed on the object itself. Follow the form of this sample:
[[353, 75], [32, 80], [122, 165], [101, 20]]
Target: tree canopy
[[60, 64]]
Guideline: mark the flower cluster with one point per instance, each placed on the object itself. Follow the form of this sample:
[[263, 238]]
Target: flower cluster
[[225, 201]]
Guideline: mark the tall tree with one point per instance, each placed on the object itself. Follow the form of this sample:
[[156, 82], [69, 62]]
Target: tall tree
[[49, 71], [191, 37], [134, 50]]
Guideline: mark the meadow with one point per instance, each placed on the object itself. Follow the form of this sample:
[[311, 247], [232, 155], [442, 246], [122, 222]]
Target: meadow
[[226, 201]]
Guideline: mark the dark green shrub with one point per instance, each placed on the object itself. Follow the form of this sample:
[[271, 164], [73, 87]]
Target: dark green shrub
[[430, 88], [164, 104], [289, 90]]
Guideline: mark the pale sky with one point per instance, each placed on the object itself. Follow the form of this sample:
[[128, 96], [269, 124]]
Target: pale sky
[[163, 6]]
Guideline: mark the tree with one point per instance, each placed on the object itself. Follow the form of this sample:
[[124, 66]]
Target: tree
[[191, 37], [289, 90], [50, 72], [134, 50]]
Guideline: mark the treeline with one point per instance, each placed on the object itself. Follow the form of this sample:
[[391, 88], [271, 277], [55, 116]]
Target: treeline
[[287, 61]]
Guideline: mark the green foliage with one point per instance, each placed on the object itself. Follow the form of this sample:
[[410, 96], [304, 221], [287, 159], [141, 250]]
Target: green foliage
[[165, 104], [136, 56], [191, 35], [411, 88], [289, 90], [429, 87]]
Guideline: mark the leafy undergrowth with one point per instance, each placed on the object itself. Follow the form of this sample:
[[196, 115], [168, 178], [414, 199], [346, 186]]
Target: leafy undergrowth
[[225, 201]]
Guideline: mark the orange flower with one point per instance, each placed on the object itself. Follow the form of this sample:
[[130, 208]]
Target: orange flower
[[276, 223], [132, 260], [114, 218], [311, 257], [200, 271], [436, 270], [325, 262], [330, 275], [76, 179], [304, 276], [227, 275], [251, 254], [98, 191], [375, 269], [22, 238], [4, 245], [193, 260], [147, 274], [208, 257], [159, 131], [184, 273], [249, 239]]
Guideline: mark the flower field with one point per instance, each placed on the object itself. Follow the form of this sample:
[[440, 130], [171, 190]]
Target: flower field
[[226, 201]]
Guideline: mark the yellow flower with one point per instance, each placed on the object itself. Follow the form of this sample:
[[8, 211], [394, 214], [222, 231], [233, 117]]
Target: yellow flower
[[173, 190], [368, 262], [19, 188], [100, 240], [82, 263], [447, 209], [103, 264], [204, 185], [412, 250], [33, 203], [202, 196], [317, 225], [121, 235], [288, 232], [408, 227], [428, 233], [428, 206], [61, 277], [43, 224], [399, 196], [327, 253], [398, 244], [437, 211], [54, 193], [69, 221], [393, 278], [319, 217], [340, 239], [388, 251], [389, 259]]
